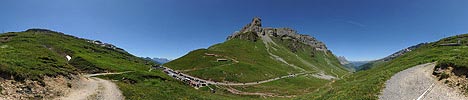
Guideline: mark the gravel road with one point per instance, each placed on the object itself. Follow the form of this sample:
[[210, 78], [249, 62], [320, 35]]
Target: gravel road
[[92, 88], [418, 83]]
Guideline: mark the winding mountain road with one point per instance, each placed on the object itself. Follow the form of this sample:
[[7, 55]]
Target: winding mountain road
[[238, 84], [255, 83], [418, 83]]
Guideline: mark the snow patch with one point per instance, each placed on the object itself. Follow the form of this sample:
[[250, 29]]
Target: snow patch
[[68, 57], [4, 46]]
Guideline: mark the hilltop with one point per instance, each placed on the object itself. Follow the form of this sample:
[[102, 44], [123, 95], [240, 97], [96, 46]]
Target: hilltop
[[257, 53]]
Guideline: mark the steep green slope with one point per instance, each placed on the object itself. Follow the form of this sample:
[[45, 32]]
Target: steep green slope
[[35, 53], [253, 63], [254, 55], [367, 84], [307, 57]]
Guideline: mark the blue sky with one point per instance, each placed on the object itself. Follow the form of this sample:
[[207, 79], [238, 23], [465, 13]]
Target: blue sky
[[356, 29]]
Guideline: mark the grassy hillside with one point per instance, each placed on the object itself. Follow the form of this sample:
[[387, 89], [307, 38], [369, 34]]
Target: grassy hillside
[[254, 63], [368, 84], [287, 87], [36, 53], [308, 58], [249, 61]]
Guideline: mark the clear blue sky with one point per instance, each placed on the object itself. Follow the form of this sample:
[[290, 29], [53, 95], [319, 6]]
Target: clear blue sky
[[356, 29]]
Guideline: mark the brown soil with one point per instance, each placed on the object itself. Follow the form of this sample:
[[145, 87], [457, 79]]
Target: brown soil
[[51, 87], [455, 77]]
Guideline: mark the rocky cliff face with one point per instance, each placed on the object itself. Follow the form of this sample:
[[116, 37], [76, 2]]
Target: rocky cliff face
[[285, 33], [343, 60]]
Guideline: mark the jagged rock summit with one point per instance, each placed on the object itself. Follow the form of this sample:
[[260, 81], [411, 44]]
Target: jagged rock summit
[[285, 33]]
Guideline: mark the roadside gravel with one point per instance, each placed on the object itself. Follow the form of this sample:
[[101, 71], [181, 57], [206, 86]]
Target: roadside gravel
[[412, 83]]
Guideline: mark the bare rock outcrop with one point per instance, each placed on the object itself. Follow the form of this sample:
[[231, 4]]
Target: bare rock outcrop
[[48, 88], [284, 33]]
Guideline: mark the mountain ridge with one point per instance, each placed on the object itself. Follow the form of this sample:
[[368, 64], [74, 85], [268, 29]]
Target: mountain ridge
[[272, 51], [256, 26]]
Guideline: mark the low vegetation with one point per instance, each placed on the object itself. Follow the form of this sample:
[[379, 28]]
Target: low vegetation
[[36, 53], [308, 58], [249, 60], [254, 63], [33, 54], [287, 87], [367, 84], [156, 85]]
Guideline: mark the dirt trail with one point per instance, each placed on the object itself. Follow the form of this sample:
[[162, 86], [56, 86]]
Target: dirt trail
[[235, 91], [418, 83], [92, 88], [252, 83]]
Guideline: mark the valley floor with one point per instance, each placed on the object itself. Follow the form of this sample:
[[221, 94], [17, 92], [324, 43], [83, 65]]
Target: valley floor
[[418, 83]]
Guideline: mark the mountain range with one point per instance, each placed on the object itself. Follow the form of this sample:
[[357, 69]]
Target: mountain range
[[256, 62], [258, 53], [161, 60]]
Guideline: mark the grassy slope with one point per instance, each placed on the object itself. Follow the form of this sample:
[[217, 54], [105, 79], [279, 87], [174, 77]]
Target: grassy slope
[[368, 84], [323, 61], [26, 55], [303, 84], [32, 55], [286, 87], [156, 85], [254, 62]]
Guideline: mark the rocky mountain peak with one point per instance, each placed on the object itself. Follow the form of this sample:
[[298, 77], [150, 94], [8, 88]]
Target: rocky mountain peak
[[255, 29], [343, 60], [254, 26], [256, 21]]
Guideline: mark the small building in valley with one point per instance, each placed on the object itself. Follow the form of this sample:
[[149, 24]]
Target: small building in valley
[[452, 44], [210, 54], [221, 59]]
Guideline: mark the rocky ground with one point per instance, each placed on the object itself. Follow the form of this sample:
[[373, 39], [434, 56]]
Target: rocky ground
[[51, 87], [418, 83], [92, 88], [82, 87], [454, 77]]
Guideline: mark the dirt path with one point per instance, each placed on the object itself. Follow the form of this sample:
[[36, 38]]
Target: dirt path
[[418, 83], [248, 83], [238, 92], [93, 88]]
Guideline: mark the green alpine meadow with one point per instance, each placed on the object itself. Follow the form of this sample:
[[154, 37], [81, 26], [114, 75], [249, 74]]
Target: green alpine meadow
[[233, 50]]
